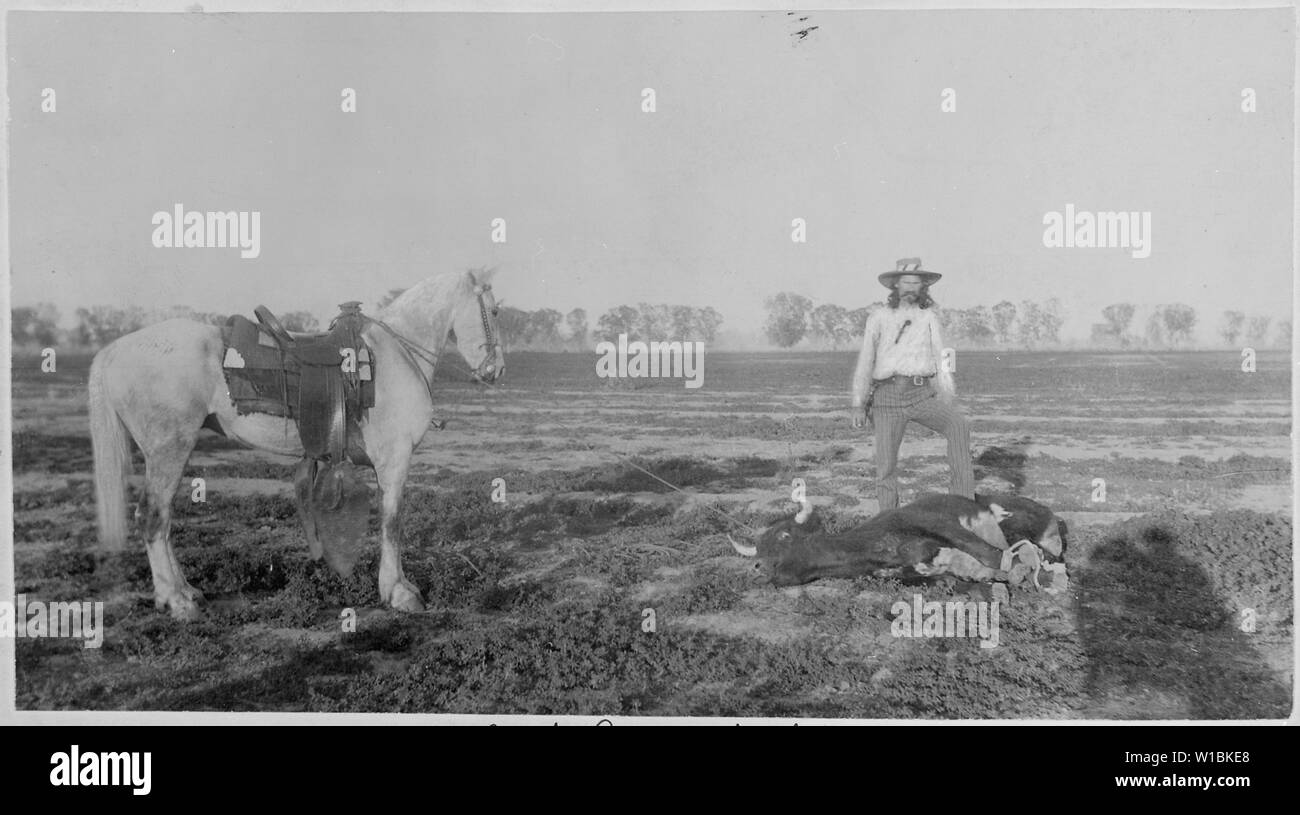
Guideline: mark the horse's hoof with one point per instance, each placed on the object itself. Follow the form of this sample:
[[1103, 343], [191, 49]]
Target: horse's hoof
[[182, 608], [406, 597]]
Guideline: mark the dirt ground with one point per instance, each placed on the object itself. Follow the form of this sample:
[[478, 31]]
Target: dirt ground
[[540, 604]]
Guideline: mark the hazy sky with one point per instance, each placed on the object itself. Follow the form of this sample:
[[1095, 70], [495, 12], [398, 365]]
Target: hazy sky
[[537, 119]]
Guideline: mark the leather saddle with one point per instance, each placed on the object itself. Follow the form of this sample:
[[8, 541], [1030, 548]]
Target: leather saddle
[[323, 381]]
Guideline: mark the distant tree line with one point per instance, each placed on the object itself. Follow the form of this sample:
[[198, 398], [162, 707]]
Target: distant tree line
[[96, 326], [792, 318], [543, 329], [546, 329], [1237, 329], [661, 322], [1170, 326], [540, 330], [35, 325]]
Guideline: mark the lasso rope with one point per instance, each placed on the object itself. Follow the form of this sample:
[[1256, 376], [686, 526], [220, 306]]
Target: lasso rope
[[709, 507]]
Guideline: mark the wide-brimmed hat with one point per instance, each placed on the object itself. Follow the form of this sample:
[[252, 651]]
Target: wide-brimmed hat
[[908, 266]]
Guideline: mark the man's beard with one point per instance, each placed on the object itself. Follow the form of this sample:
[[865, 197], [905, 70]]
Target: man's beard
[[920, 299]]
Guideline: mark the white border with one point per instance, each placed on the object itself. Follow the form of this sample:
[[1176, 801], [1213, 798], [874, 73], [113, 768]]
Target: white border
[[8, 714]]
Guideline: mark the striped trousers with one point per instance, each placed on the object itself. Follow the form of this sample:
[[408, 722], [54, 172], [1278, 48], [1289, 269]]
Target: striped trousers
[[893, 406]]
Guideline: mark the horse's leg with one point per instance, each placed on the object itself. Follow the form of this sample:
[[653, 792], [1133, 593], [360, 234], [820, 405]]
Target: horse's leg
[[394, 588], [302, 484], [162, 382], [164, 465]]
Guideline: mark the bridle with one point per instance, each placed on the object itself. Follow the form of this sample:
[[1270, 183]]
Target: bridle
[[414, 351], [492, 343]]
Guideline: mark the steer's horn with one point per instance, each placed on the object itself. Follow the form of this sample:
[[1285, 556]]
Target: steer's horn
[[803, 513], [747, 551]]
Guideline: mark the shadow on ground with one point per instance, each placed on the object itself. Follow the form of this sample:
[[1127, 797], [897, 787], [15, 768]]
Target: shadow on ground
[[1005, 463], [1170, 608]]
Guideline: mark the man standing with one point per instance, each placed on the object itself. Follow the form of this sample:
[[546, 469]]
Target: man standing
[[900, 378]]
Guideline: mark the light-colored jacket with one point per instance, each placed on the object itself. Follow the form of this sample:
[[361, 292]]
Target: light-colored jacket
[[906, 340]]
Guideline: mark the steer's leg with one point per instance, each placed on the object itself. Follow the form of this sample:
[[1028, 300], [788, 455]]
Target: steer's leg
[[962, 539], [394, 588]]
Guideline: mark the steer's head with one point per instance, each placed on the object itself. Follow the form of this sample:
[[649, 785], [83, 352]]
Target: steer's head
[[781, 535], [796, 550]]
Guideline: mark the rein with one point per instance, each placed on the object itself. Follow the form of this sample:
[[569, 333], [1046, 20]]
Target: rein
[[414, 351]]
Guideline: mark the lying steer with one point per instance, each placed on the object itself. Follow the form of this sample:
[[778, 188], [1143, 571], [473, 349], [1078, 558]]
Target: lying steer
[[934, 535]]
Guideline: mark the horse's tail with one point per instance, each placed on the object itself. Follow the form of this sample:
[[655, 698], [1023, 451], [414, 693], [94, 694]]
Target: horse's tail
[[112, 449]]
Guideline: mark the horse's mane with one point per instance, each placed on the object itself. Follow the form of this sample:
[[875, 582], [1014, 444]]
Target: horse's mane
[[436, 294]]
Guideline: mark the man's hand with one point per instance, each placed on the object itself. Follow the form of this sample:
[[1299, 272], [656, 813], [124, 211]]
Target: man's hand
[[945, 387], [861, 416]]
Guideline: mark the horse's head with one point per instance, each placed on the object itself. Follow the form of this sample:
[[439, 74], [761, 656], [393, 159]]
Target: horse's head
[[474, 326]]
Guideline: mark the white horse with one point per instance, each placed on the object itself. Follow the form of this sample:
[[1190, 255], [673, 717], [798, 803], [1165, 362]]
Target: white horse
[[162, 383]]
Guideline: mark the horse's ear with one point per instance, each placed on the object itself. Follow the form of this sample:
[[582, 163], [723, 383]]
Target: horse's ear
[[484, 275]]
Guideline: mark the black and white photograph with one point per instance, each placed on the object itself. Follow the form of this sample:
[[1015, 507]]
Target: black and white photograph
[[649, 364]]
